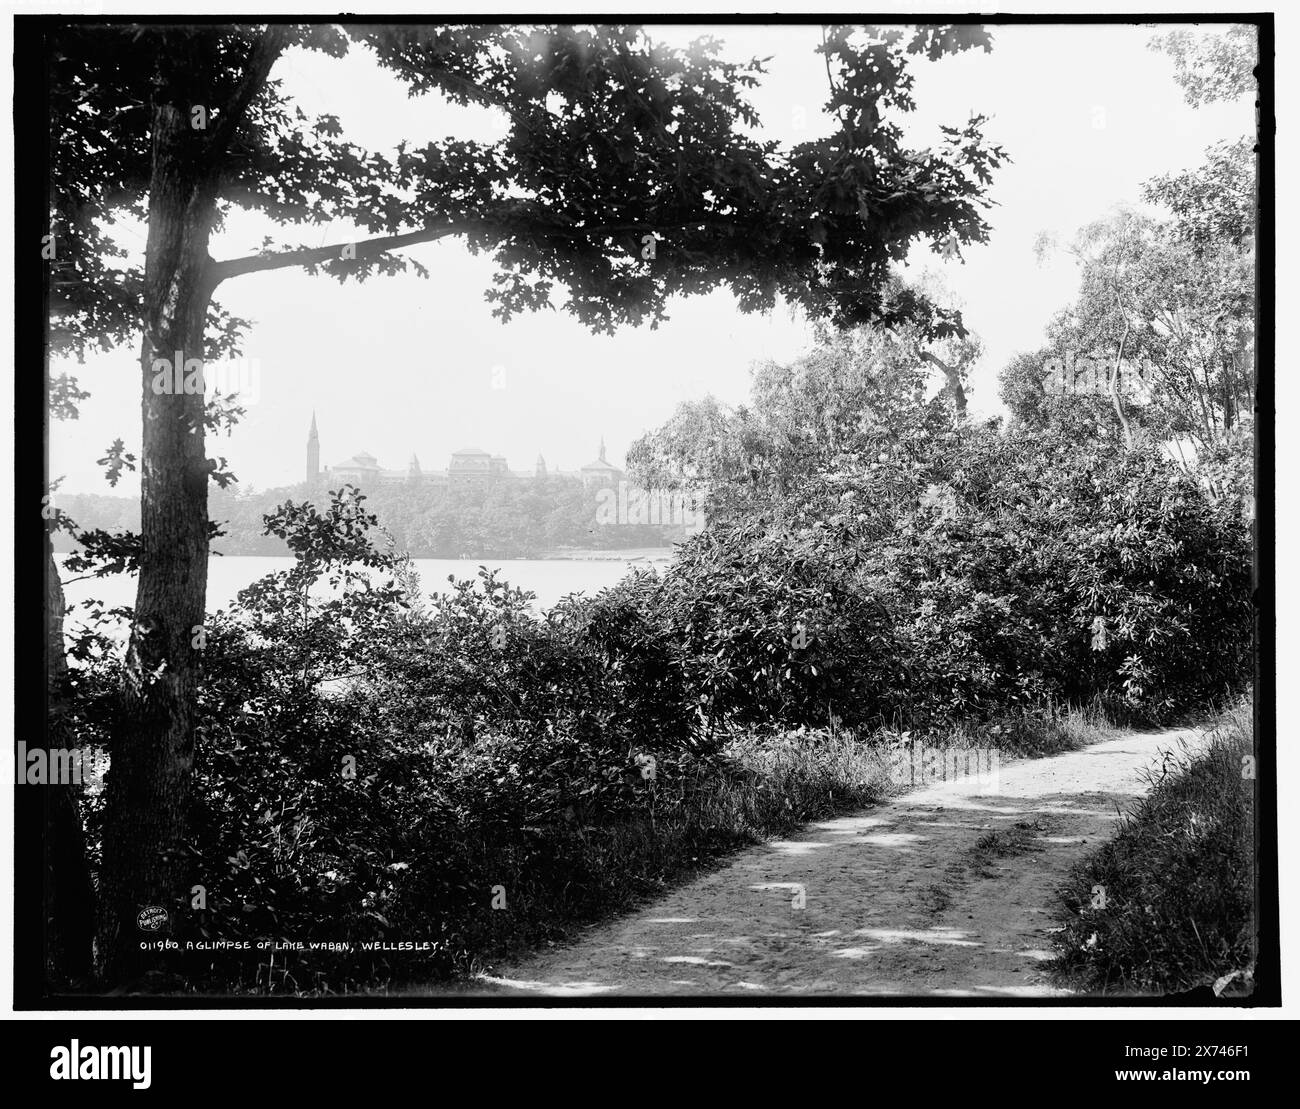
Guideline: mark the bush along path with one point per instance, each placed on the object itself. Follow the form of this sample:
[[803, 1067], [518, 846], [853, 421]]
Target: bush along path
[[951, 890]]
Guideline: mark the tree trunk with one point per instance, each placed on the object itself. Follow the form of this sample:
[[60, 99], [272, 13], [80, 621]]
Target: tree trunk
[[148, 782], [1114, 393], [69, 898], [953, 378], [1229, 393]]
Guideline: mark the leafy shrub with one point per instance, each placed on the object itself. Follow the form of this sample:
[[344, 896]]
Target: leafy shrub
[[778, 629], [461, 748], [1045, 567], [639, 671]]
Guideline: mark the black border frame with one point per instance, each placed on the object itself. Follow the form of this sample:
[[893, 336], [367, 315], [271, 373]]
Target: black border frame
[[31, 300]]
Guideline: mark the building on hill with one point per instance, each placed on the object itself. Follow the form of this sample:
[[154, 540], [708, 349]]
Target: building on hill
[[415, 474], [361, 469], [600, 471], [467, 467]]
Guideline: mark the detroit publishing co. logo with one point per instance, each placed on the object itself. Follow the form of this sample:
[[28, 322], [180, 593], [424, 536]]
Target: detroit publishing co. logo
[[152, 919]]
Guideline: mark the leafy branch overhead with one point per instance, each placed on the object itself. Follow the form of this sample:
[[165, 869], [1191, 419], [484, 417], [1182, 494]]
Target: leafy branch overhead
[[610, 137]]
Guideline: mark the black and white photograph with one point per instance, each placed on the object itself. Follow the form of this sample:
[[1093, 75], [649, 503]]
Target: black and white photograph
[[643, 510]]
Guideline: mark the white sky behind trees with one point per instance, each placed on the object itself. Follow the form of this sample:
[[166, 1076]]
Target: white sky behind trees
[[404, 365]]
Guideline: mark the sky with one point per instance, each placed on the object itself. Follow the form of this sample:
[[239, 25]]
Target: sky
[[400, 366]]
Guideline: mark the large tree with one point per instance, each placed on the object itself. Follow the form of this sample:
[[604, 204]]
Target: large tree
[[1164, 316], [628, 173], [815, 425], [1167, 304]]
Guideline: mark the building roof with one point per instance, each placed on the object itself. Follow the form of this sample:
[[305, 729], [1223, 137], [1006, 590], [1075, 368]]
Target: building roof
[[602, 463], [362, 461], [471, 450]]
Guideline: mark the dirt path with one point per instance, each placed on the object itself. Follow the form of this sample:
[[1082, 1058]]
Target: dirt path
[[947, 891]]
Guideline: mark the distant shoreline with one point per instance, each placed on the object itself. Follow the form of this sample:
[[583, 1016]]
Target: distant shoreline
[[596, 554], [593, 554]]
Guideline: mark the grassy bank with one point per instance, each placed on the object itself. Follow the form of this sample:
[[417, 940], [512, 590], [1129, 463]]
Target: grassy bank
[[1047, 728], [1166, 905]]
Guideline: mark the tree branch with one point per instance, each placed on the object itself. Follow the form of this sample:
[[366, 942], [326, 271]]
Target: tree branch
[[1114, 389], [260, 60], [954, 379], [365, 248]]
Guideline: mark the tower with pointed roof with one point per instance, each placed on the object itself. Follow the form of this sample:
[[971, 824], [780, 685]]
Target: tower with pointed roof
[[313, 452], [601, 471]]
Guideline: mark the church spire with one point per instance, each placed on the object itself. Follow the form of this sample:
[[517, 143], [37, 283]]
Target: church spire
[[313, 452], [602, 449]]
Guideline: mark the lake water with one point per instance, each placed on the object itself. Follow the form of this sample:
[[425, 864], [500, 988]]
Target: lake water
[[550, 578]]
